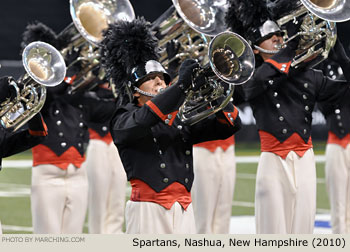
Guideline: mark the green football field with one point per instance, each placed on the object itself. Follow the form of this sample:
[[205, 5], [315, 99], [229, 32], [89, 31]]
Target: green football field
[[15, 213]]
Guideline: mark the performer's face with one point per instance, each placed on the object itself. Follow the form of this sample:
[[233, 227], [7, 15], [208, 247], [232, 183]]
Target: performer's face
[[153, 84], [269, 44]]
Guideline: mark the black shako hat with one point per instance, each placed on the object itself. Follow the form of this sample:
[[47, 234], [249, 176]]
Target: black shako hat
[[129, 53], [140, 72], [252, 19]]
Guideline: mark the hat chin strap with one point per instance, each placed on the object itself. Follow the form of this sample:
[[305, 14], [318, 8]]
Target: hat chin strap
[[266, 51], [147, 93]]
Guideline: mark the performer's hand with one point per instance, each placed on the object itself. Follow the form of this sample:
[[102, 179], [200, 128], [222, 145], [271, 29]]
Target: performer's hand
[[172, 49], [199, 81], [186, 73], [6, 90], [293, 27]]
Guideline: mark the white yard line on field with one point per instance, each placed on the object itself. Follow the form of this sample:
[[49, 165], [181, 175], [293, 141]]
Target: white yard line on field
[[16, 228], [17, 191], [17, 164], [253, 176]]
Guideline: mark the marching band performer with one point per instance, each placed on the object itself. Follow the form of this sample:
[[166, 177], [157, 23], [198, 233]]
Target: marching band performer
[[215, 168], [59, 192], [106, 175], [154, 145], [337, 154], [213, 186], [214, 164], [23, 139], [282, 99]]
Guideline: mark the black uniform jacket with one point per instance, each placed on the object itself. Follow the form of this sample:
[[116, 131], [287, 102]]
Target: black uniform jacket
[[156, 147], [23, 139], [337, 115], [63, 114], [99, 110], [283, 99]]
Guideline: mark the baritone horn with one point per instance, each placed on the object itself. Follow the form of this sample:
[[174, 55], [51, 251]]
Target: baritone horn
[[318, 32], [90, 18], [45, 67], [192, 23], [231, 62]]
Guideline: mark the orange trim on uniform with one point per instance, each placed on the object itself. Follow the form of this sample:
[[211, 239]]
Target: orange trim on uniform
[[44, 155], [232, 115], [105, 86], [70, 80], [41, 132], [107, 138], [283, 67], [295, 143], [173, 116], [37, 133], [160, 114], [175, 192], [213, 145], [333, 139]]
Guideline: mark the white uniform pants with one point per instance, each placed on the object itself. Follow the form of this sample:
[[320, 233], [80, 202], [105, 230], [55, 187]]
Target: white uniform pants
[[338, 186], [107, 188], [285, 196], [0, 228], [213, 188], [152, 218], [59, 199]]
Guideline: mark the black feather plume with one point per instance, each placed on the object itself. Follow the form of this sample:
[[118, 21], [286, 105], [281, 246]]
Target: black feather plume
[[244, 15], [279, 8], [38, 31], [125, 45]]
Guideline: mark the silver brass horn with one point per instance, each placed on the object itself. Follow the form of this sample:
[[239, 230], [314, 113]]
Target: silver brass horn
[[232, 61], [330, 10], [192, 23], [44, 67], [318, 32], [90, 18]]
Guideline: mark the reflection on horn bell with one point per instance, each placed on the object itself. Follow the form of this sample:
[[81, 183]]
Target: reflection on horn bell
[[330, 10], [231, 58], [93, 19], [40, 71]]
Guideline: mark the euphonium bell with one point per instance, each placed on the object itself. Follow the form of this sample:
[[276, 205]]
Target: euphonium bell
[[44, 67], [231, 62], [330, 10], [90, 18]]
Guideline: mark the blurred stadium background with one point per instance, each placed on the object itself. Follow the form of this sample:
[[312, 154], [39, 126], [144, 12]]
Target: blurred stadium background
[[15, 178]]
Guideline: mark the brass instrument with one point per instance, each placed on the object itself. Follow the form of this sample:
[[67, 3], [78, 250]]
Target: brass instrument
[[45, 67], [231, 61], [318, 29], [226, 58], [90, 18], [192, 23]]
